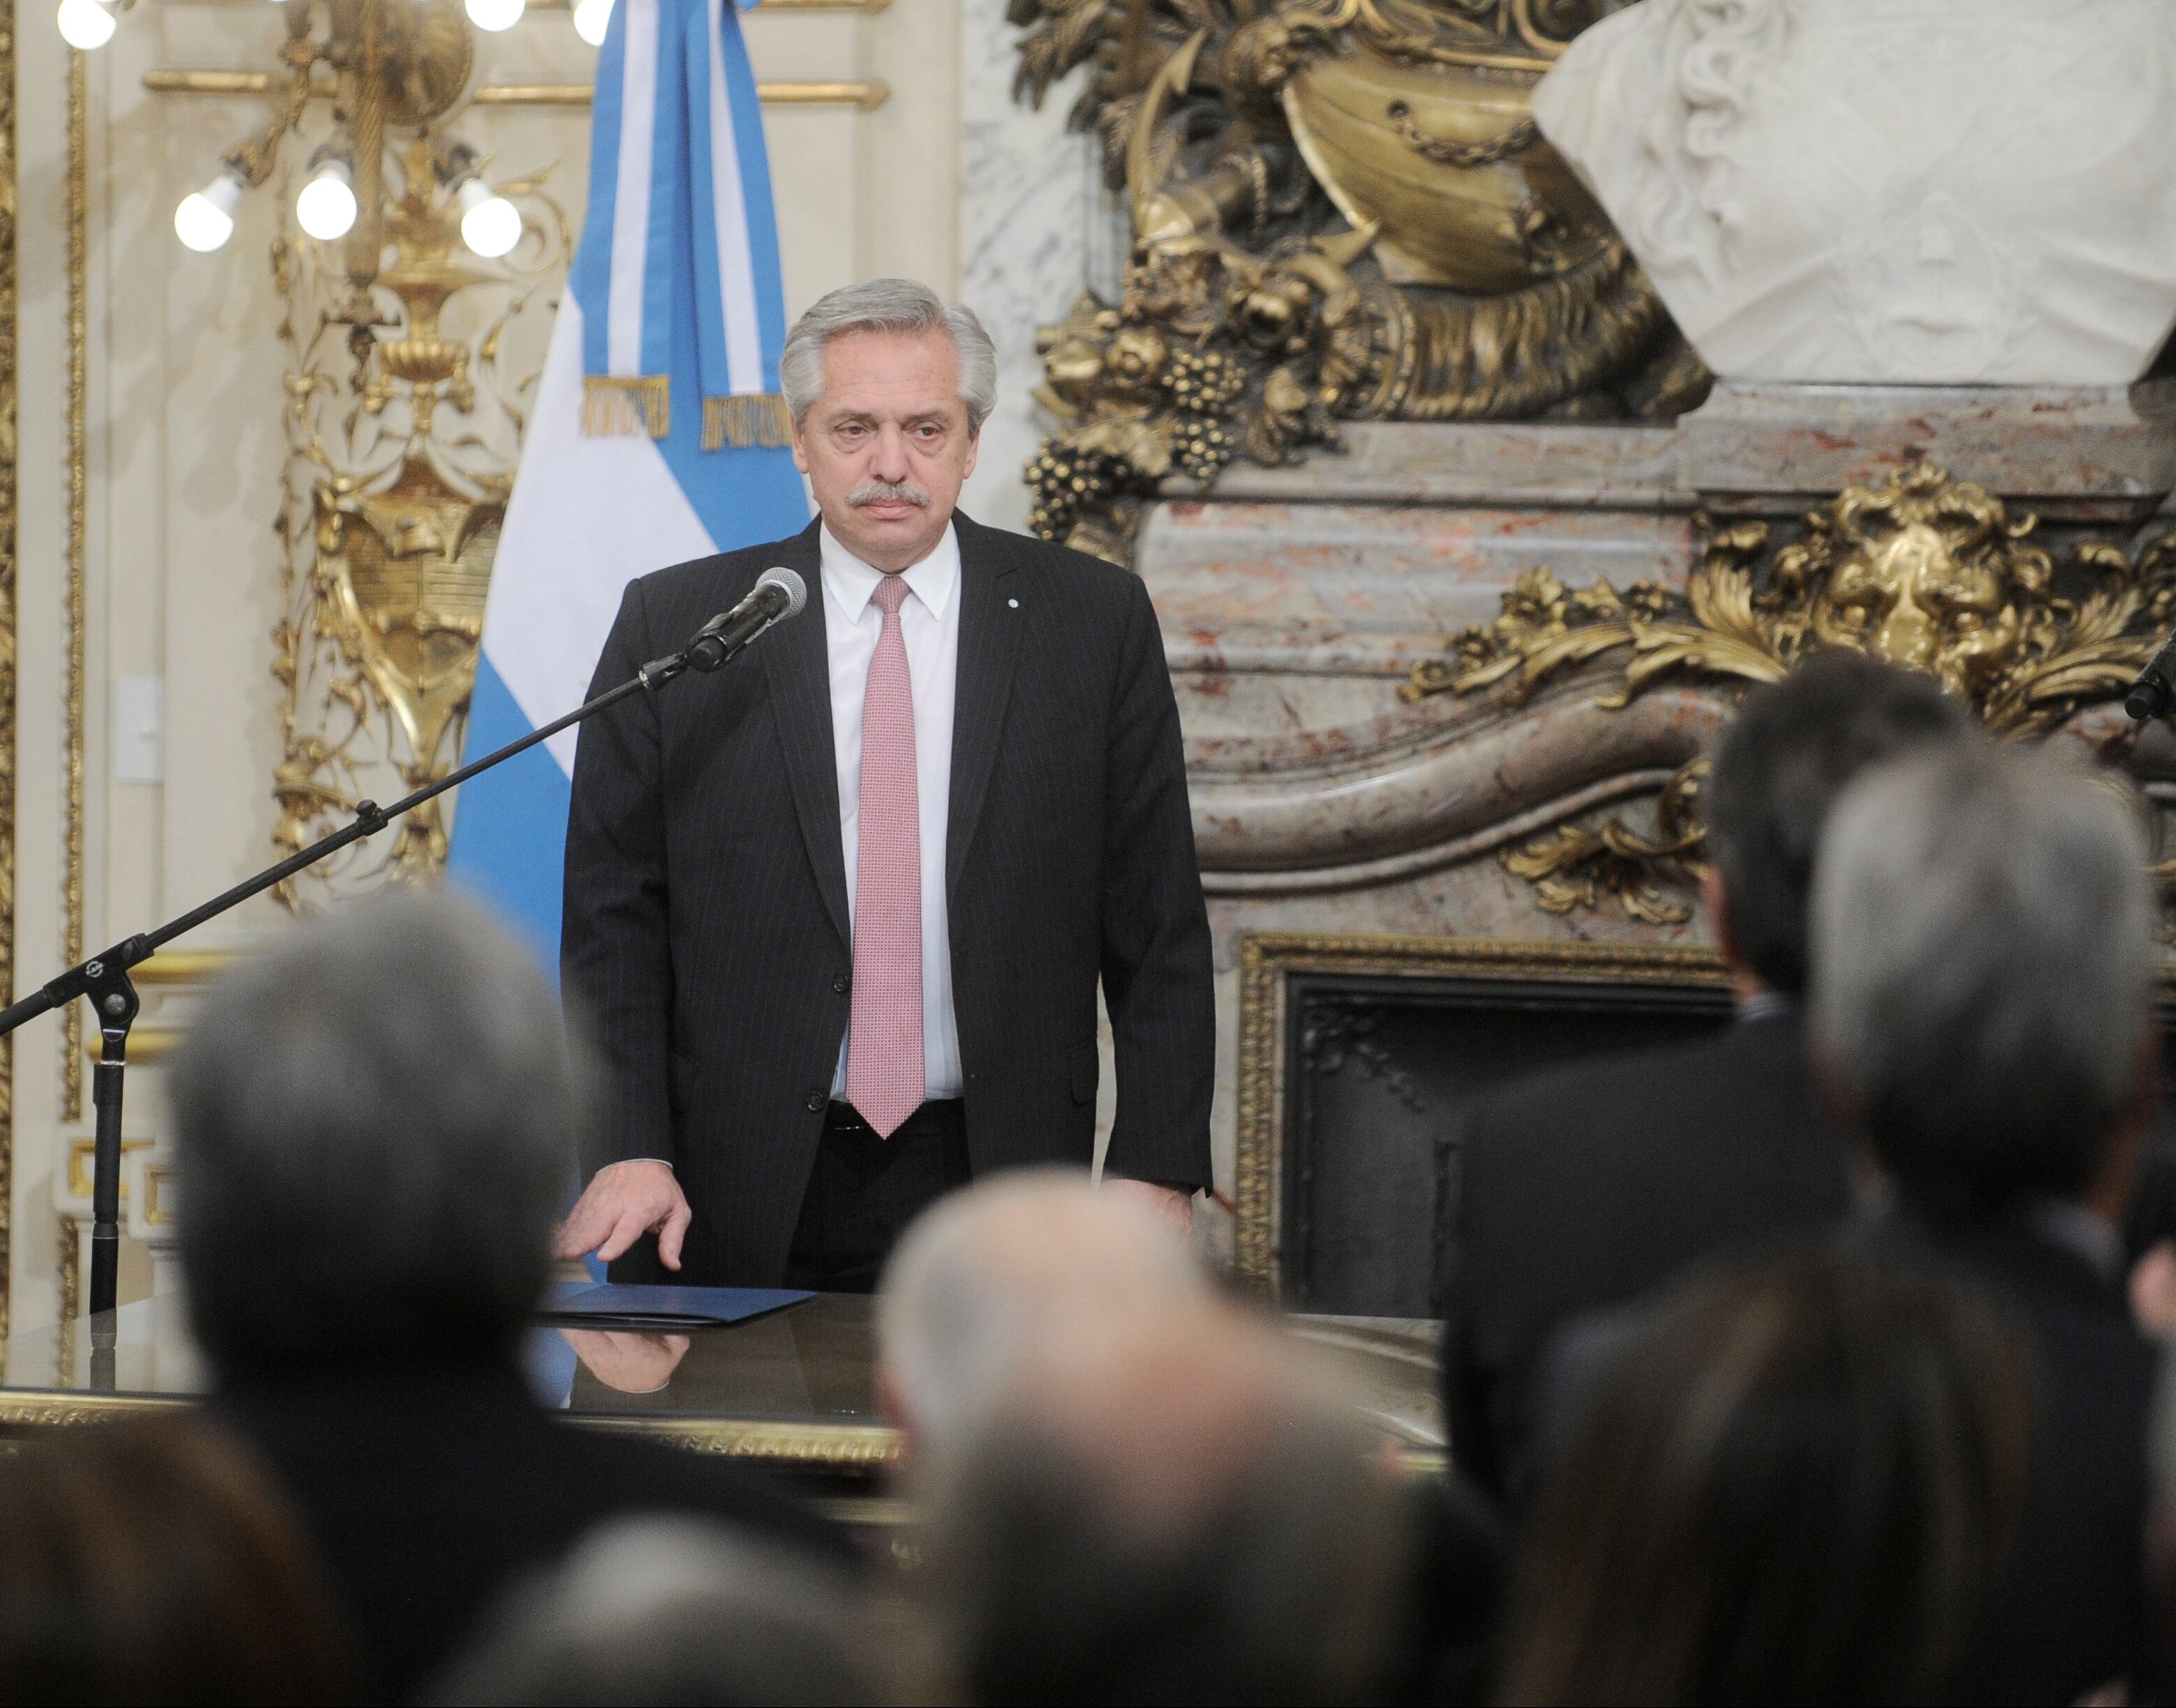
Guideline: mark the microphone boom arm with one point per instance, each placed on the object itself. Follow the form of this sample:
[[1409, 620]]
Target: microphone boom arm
[[104, 977]]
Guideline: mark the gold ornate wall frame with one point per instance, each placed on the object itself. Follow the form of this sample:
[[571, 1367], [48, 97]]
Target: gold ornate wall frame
[[76, 625], [1268, 960], [9, 460], [79, 239]]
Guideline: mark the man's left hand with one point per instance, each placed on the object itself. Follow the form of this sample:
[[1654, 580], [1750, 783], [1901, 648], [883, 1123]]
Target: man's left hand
[[1171, 1205]]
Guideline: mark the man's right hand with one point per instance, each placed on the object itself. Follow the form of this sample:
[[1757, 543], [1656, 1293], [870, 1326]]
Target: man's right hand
[[623, 1202]]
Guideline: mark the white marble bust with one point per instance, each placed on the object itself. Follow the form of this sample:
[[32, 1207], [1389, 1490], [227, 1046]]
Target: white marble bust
[[1931, 192]]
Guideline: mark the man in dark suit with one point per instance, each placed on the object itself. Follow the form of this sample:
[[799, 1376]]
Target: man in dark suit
[[839, 912], [1586, 1187], [374, 1124], [1985, 948]]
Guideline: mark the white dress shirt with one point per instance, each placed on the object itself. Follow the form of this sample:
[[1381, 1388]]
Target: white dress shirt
[[929, 623]]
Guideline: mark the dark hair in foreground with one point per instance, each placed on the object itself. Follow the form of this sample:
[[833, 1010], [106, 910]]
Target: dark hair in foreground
[[374, 1122], [1794, 1484], [1788, 753], [146, 1562]]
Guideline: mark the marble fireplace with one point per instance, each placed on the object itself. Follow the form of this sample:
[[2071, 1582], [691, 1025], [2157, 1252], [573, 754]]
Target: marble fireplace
[[1446, 805]]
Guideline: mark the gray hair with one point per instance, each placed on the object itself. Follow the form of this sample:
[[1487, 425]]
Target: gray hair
[[673, 1610], [374, 1124], [1164, 1511], [1983, 961], [988, 1273], [889, 305]]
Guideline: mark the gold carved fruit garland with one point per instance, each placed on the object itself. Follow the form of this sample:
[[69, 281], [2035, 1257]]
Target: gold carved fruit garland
[[1341, 210]]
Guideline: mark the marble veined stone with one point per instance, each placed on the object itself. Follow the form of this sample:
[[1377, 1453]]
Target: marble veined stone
[[1917, 192]]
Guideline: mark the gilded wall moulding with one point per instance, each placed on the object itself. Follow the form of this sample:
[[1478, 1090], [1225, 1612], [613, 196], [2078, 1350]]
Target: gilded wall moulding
[[8, 572], [1341, 210], [404, 426], [1934, 574]]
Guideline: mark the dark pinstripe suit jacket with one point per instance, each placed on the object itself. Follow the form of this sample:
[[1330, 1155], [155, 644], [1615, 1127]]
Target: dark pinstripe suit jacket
[[706, 930]]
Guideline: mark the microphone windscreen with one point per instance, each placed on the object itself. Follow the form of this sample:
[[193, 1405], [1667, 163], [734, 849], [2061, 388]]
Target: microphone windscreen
[[796, 589]]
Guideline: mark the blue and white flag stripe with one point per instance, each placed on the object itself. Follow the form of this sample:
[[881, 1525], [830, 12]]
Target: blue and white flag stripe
[[678, 98], [641, 273], [735, 229], [673, 241]]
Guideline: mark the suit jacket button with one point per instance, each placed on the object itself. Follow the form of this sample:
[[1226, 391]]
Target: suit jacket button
[[842, 983], [817, 1100]]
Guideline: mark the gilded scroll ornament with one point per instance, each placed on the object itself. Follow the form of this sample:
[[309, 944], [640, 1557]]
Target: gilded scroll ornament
[[1933, 574], [404, 426], [1577, 866], [1341, 210]]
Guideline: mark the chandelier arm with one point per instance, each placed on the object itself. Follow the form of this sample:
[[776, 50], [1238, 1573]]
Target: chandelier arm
[[252, 160]]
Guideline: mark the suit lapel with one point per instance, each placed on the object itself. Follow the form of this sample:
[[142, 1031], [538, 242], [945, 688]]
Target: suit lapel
[[989, 642], [796, 663]]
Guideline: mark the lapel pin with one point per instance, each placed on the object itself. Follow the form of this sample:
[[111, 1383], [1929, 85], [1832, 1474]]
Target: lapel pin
[[1015, 603]]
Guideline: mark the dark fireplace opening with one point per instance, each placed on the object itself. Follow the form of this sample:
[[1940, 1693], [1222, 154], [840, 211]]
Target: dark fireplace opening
[[1379, 1071]]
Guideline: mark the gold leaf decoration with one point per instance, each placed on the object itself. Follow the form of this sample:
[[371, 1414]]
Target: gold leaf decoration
[[1931, 573], [402, 436], [1341, 212]]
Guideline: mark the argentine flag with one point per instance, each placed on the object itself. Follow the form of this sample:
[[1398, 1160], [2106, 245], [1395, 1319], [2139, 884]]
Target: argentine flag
[[658, 433]]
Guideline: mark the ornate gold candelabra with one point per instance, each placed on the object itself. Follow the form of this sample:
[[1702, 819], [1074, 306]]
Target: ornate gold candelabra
[[403, 411], [403, 432], [393, 65]]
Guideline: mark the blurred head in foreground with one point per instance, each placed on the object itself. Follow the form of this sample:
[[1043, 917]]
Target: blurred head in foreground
[[1794, 746], [1164, 1512], [658, 1610], [1006, 1267], [1985, 940], [1795, 1483], [145, 1562], [373, 1125]]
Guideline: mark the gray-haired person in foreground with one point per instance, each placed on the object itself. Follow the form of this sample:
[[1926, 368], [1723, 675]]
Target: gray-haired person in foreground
[[1985, 946], [652, 1611], [1164, 1511], [374, 1123], [1005, 1271], [840, 912]]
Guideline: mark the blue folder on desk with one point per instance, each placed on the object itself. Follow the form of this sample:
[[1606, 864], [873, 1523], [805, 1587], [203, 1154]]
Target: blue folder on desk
[[607, 1305]]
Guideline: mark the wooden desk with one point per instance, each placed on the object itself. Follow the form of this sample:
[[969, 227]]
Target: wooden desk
[[793, 1390]]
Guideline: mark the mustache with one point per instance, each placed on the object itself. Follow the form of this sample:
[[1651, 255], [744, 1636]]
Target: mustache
[[889, 493]]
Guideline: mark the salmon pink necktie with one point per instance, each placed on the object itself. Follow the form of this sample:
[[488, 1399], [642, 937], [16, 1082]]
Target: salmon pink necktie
[[884, 1053]]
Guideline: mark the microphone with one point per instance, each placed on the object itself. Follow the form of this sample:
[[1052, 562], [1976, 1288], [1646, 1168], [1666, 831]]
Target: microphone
[[2151, 694], [777, 594]]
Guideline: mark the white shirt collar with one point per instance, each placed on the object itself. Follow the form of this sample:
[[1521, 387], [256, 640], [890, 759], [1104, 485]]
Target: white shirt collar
[[850, 584]]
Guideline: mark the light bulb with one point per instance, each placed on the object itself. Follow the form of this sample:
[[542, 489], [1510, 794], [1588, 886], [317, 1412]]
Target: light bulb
[[206, 219], [490, 225], [592, 18], [496, 15], [85, 23], [326, 206]]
